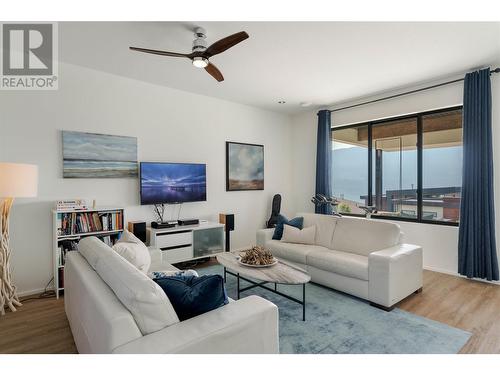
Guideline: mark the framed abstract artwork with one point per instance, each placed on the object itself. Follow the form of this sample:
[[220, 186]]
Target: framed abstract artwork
[[244, 166], [89, 155]]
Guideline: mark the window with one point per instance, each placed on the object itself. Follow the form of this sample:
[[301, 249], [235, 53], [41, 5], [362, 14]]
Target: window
[[350, 168], [394, 158], [409, 168], [442, 165]]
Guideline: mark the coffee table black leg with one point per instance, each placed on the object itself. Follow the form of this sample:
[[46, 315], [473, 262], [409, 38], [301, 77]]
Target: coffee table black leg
[[238, 284], [261, 285], [304, 302], [225, 275]]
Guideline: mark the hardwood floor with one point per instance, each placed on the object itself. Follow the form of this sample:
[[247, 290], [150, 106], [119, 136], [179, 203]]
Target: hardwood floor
[[469, 305], [40, 326]]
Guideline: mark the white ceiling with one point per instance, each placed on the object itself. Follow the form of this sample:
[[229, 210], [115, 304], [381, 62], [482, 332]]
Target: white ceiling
[[320, 62]]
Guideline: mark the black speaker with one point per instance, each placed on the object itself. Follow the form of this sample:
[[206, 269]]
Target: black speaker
[[138, 228], [228, 221]]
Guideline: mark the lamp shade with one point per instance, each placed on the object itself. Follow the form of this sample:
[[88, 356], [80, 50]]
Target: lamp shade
[[18, 180]]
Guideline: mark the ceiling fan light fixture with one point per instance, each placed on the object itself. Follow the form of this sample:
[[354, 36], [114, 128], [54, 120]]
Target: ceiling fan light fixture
[[201, 54], [200, 62]]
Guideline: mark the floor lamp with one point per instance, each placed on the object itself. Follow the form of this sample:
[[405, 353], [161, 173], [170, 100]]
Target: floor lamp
[[16, 181]]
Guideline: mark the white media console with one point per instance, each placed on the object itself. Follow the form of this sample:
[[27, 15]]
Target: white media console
[[188, 242]]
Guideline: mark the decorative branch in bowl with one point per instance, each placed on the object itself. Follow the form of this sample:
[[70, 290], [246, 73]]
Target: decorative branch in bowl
[[257, 256]]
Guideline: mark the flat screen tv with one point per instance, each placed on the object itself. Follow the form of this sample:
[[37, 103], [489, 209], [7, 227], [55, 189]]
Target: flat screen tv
[[172, 183]]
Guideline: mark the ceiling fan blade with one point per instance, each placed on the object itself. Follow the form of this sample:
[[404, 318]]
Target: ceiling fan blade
[[225, 43], [162, 53], [214, 72]]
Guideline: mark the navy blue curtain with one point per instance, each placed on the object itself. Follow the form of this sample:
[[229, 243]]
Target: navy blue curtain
[[324, 160], [477, 253]]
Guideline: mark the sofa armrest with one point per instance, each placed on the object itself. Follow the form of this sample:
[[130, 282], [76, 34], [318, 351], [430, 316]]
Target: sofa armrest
[[264, 235], [249, 325], [158, 263], [394, 273], [156, 255]]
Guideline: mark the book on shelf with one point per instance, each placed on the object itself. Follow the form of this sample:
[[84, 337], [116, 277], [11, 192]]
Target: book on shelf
[[59, 225], [63, 249], [73, 204], [60, 275], [73, 223], [66, 246], [107, 240]]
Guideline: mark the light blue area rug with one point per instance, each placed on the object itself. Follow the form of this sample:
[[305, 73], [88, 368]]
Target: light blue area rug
[[339, 323]]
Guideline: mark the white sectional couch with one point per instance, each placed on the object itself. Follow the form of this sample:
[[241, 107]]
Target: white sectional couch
[[362, 257], [112, 307]]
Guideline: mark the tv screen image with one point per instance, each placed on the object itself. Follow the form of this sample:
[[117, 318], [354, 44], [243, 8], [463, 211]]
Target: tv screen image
[[173, 183]]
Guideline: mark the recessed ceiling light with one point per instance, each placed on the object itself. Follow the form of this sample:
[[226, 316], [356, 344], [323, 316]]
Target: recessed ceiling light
[[281, 102], [305, 104]]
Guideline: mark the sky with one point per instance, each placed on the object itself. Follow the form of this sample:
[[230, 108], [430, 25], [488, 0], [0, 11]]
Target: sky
[[442, 167]]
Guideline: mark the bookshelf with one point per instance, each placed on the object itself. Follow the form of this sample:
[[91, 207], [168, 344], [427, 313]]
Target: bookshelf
[[70, 226]]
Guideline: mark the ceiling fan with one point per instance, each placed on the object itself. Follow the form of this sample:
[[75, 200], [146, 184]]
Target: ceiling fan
[[200, 54]]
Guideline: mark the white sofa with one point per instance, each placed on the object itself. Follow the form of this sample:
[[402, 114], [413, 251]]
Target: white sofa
[[362, 257], [101, 322]]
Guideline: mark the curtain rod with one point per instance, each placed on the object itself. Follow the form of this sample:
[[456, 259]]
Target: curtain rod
[[496, 70]]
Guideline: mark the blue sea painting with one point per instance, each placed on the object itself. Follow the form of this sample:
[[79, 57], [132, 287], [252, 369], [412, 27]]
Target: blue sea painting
[[173, 183], [89, 155]]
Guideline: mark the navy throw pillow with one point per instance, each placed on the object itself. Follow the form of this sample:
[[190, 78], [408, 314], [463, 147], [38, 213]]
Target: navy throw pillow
[[297, 222], [194, 295]]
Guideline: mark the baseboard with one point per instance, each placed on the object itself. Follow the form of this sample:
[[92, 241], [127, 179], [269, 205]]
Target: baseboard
[[447, 272], [31, 292]]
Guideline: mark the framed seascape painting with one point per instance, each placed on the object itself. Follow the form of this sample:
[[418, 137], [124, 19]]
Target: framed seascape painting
[[244, 166], [89, 155]]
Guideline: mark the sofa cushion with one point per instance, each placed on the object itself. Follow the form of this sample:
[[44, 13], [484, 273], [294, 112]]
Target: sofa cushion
[[145, 300], [93, 249], [194, 295], [295, 235], [346, 264], [364, 236], [134, 250], [325, 226], [291, 251]]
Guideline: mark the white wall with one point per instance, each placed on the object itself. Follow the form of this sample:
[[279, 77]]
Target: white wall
[[170, 125], [439, 242]]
